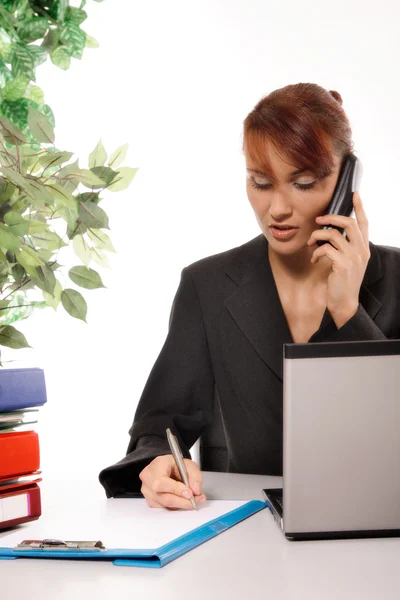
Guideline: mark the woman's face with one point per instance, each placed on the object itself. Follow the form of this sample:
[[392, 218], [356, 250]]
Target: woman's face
[[295, 200]]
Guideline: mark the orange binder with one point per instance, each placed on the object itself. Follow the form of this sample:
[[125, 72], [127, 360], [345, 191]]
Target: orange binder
[[19, 453]]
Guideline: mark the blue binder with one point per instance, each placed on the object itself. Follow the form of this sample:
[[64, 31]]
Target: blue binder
[[21, 388], [154, 558]]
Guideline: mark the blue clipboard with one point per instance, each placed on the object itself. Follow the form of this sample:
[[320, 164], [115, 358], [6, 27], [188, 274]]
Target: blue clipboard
[[150, 558]]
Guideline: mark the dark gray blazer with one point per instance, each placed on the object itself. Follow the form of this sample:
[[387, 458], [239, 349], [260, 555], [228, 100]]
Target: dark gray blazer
[[219, 373]]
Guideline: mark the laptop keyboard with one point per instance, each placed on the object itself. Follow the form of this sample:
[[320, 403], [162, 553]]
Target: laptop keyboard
[[279, 500], [276, 497]]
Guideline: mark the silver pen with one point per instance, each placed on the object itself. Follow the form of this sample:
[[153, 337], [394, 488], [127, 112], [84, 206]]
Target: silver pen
[[178, 456]]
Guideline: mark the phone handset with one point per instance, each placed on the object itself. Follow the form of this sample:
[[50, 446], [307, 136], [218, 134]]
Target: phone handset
[[342, 199]]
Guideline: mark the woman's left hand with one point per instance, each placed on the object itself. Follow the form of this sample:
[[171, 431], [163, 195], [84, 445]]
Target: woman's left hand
[[349, 259]]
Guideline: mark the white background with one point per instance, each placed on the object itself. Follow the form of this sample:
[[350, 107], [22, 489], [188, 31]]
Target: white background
[[175, 80]]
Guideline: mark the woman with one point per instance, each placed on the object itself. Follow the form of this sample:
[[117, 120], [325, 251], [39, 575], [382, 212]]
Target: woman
[[219, 373]]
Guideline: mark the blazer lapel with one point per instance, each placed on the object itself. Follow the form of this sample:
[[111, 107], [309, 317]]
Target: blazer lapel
[[257, 310]]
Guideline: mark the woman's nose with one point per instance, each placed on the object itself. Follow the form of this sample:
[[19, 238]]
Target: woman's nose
[[280, 205]]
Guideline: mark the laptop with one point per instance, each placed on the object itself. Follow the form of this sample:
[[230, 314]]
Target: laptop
[[341, 441]]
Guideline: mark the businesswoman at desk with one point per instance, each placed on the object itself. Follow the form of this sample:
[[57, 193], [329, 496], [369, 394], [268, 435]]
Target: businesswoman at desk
[[218, 376]]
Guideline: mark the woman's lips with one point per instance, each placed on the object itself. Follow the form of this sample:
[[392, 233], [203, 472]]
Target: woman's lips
[[283, 234]]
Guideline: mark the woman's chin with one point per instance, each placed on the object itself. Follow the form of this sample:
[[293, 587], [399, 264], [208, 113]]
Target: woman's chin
[[287, 247]]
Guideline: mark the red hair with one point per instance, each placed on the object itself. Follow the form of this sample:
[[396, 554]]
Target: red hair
[[305, 123]]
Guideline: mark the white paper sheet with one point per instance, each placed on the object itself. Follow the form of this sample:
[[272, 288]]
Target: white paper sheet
[[118, 523]]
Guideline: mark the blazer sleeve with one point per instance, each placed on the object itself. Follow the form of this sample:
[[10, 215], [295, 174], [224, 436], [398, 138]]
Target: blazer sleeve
[[179, 394], [358, 328]]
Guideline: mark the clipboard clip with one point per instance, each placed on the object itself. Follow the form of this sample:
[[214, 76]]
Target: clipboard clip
[[50, 544]]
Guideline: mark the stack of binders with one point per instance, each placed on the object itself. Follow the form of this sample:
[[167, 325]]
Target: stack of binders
[[22, 392]]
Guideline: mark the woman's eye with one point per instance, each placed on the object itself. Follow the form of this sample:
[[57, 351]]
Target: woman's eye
[[259, 184], [266, 186], [305, 186]]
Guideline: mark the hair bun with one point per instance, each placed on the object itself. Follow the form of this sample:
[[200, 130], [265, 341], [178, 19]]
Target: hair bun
[[336, 95]]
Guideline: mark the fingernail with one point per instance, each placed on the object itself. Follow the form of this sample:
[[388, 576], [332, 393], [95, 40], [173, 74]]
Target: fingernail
[[196, 488], [186, 494], [202, 498]]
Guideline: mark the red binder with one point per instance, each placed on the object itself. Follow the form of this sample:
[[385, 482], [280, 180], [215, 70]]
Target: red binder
[[19, 453], [19, 504]]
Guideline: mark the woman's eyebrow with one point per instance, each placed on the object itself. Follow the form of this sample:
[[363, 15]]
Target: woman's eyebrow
[[293, 174]]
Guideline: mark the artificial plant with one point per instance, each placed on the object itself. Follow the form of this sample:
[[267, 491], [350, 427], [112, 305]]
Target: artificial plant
[[46, 201]]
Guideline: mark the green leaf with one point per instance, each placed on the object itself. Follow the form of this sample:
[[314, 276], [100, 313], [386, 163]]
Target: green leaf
[[49, 240], [73, 38], [88, 197], [22, 61], [7, 18], [36, 94], [45, 255], [81, 248], [58, 9], [118, 156], [98, 157], [33, 29], [60, 58], [10, 133], [7, 239], [50, 42], [46, 279], [30, 159], [47, 112], [86, 278], [37, 226], [64, 213], [29, 259], [5, 73], [101, 240], [91, 42], [12, 338], [3, 260], [20, 204], [7, 190], [17, 112], [123, 179], [40, 126], [39, 193], [74, 303], [105, 174], [100, 258], [63, 198], [16, 178], [92, 215], [18, 272], [15, 88], [52, 159], [72, 171], [39, 55], [54, 299], [76, 15], [17, 224], [89, 179]]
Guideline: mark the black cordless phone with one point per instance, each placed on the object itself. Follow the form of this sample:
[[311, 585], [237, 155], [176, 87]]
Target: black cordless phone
[[342, 198]]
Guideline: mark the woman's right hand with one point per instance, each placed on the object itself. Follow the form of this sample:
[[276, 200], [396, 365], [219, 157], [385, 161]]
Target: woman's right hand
[[162, 486]]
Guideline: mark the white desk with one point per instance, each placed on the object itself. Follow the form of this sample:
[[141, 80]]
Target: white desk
[[251, 560]]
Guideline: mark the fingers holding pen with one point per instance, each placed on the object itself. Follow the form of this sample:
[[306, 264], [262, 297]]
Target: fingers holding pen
[[195, 476], [160, 489]]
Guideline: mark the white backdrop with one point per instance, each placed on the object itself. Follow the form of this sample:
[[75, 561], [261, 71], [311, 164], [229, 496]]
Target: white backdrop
[[175, 80]]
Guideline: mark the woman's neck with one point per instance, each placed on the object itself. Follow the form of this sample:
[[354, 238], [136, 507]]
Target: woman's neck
[[297, 269]]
